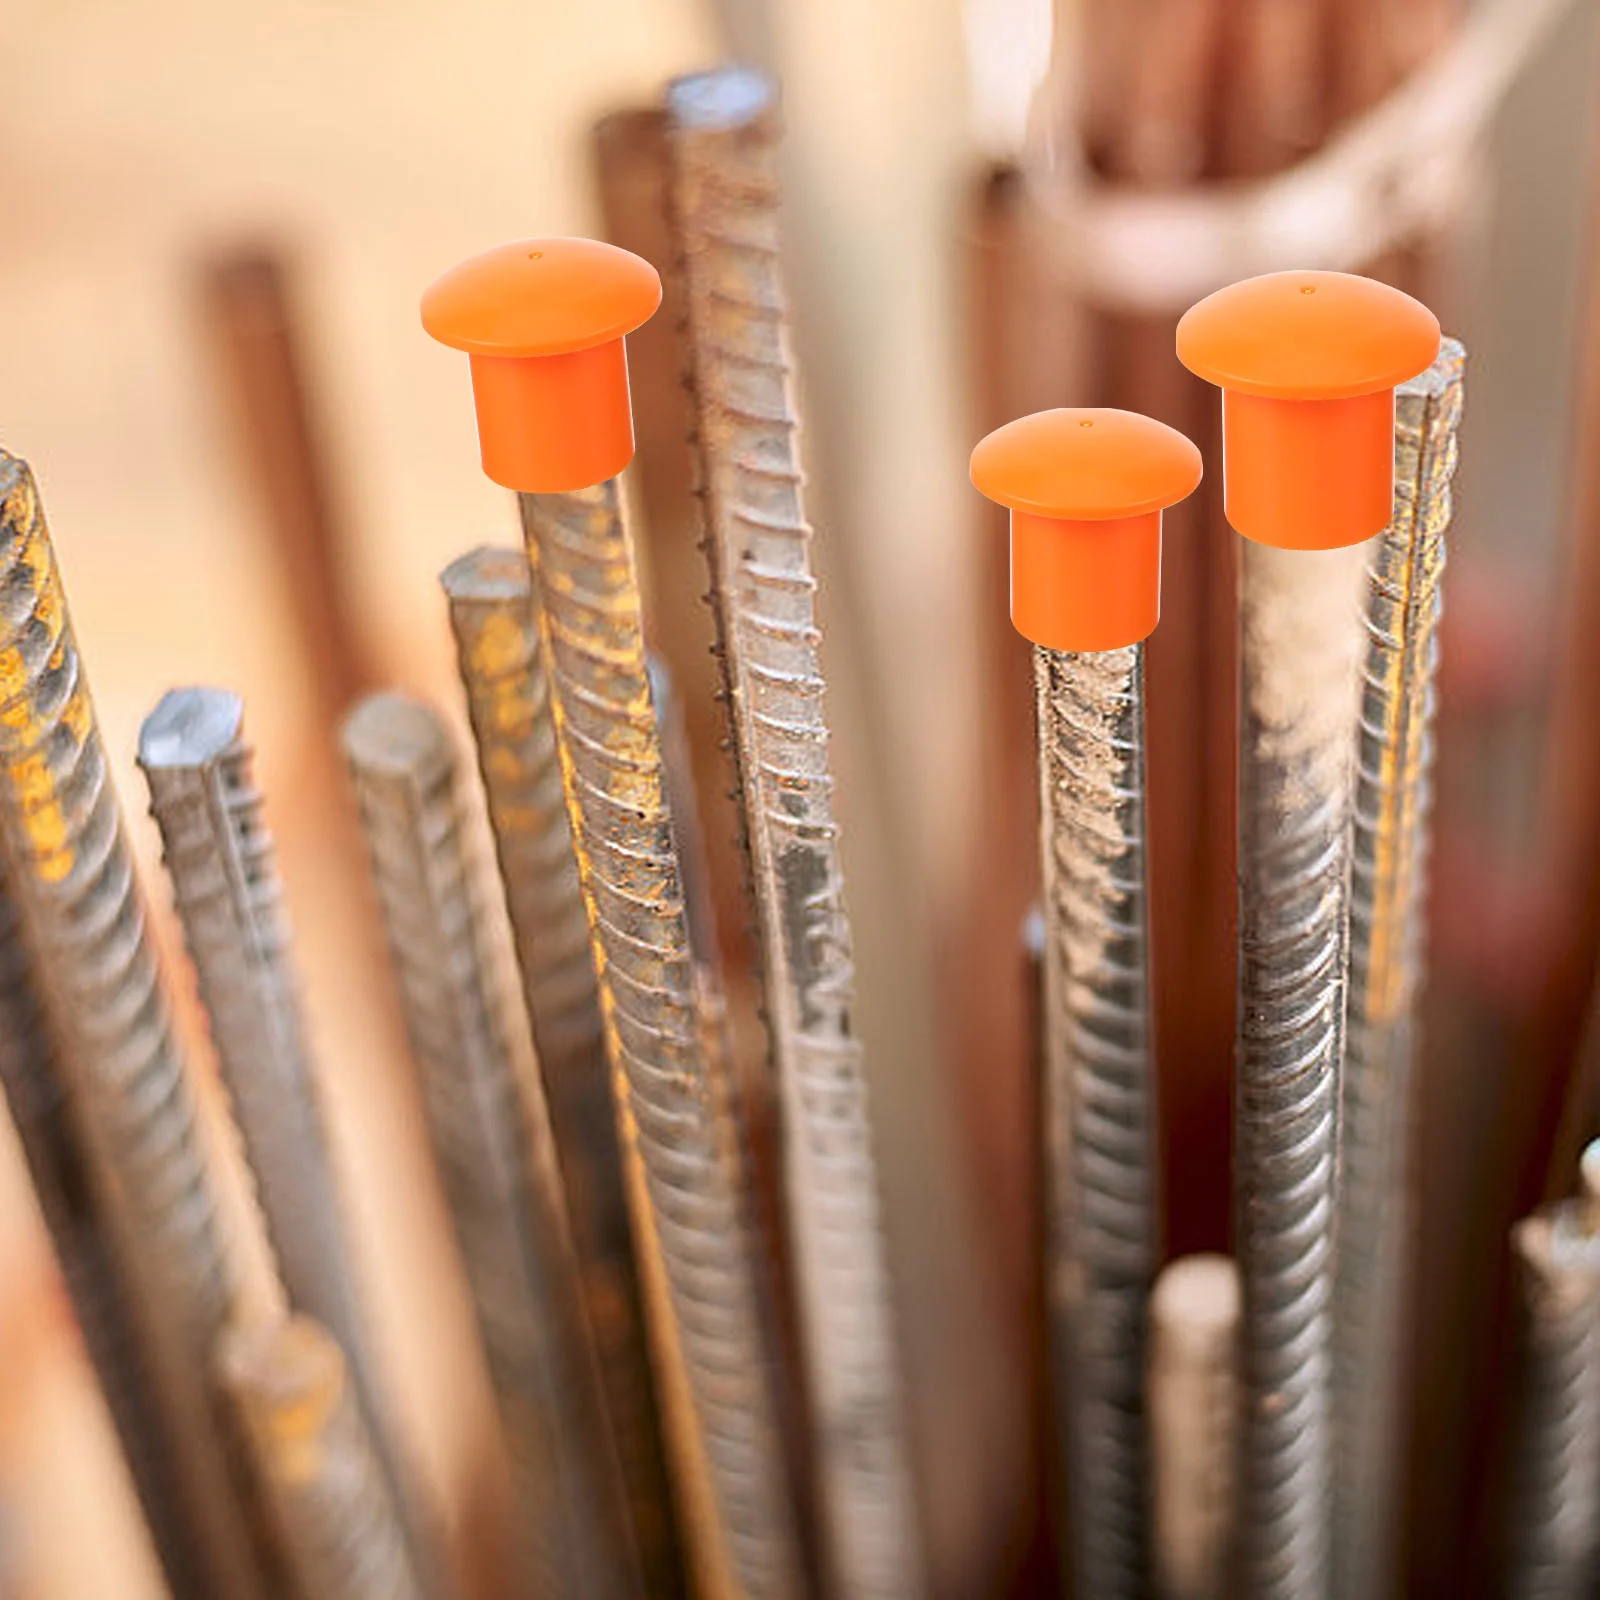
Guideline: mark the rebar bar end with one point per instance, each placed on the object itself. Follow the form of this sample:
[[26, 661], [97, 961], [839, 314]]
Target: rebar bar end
[[543, 323], [190, 727], [392, 736], [1086, 489], [1308, 363]]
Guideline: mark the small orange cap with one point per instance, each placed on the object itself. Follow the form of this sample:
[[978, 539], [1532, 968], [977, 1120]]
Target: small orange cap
[[543, 321], [1308, 363], [1086, 489]]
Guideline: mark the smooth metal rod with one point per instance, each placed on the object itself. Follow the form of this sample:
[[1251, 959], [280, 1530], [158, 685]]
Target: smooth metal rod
[[1102, 1234], [724, 139], [688, 1192], [491, 1134], [1300, 621], [1388, 895], [1194, 1334], [494, 619]]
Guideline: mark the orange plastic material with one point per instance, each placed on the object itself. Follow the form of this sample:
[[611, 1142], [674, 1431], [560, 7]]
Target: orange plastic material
[[1086, 489], [1308, 363], [543, 321]]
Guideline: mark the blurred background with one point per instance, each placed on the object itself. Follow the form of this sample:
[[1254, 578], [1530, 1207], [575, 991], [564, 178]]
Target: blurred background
[[219, 219]]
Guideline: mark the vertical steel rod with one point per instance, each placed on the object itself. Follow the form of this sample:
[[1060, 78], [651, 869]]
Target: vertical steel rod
[[491, 1134], [724, 138], [1102, 1226], [72, 1206], [1194, 1332], [493, 617], [1388, 892], [1299, 652], [689, 1196], [309, 1442], [219, 855], [1554, 1502], [75, 882]]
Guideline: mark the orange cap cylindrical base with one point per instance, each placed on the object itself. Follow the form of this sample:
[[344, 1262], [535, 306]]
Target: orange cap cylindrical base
[[1085, 585], [1308, 474], [550, 424]]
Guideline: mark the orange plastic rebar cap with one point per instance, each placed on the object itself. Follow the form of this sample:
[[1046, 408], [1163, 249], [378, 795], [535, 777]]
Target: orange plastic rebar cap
[[1086, 489], [543, 321], [1308, 363]]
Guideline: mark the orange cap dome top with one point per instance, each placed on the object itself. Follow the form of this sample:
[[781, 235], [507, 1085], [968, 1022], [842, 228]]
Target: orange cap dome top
[[543, 321], [1308, 336], [1308, 363], [1086, 489]]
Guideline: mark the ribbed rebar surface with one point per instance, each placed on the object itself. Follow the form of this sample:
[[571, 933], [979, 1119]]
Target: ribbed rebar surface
[[1554, 1502], [672, 1111], [1300, 641], [308, 1438], [41, 1105], [724, 137], [1101, 1234], [1194, 1333], [490, 1132], [74, 879], [493, 617], [1388, 891]]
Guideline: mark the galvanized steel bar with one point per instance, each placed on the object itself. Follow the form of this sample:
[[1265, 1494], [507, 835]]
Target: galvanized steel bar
[[1388, 892], [724, 140], [1299, 652], [494, 620], [690, 1195], [490, 1131], [74, 878], [1102, 1228]]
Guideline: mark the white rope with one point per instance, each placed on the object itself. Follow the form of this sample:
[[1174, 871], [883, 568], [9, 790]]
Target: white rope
[[1394, 173]]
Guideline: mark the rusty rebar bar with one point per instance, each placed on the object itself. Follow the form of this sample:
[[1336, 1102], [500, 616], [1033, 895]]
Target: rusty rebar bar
[[72, 1206], [1554, 1499], [494, 620], [198, 767], [1300, 642], [335, 1512], [687, 1187], [491, 1134], [1194, 1332], [724, 141], [1388, 892], [74, 879], [1102, 1228]]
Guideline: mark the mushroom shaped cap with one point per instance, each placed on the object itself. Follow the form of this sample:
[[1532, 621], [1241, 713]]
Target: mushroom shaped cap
[[1082, 464], [541, 297], [1308, 336]]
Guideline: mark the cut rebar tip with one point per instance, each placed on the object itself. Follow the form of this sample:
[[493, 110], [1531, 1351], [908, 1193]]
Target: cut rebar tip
[[337, 1519]]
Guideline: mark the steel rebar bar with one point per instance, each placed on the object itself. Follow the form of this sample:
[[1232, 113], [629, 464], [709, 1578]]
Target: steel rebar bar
[[1299, 653], [689, 1194], [309, 1442], [198, 767], [1554, 1500], [1388, 891], [724, 141], [72, 1206], [1102, 1225], [490, 1131], [1194, 1331], [74, 879], [493, 618]]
